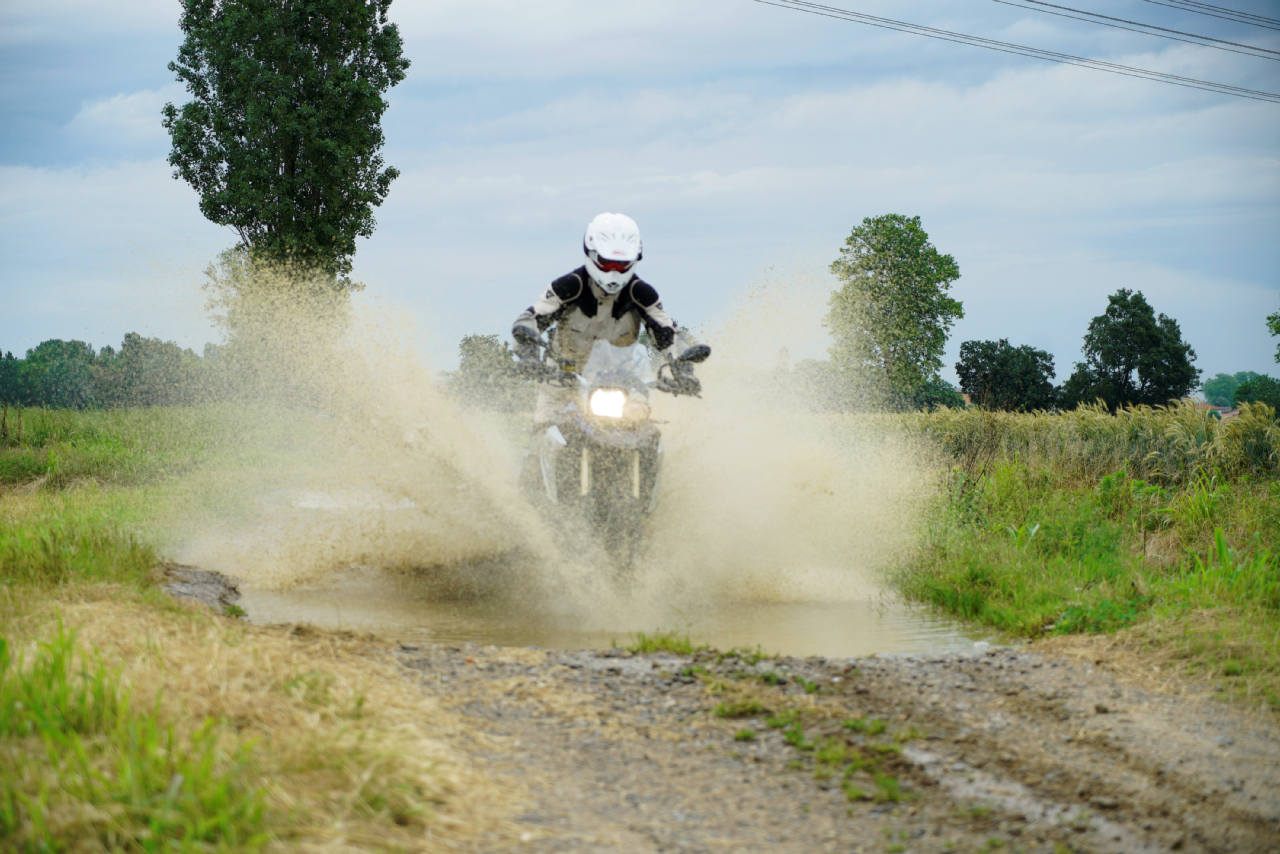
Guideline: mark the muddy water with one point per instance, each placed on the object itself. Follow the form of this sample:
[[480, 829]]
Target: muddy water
[[410, 608]]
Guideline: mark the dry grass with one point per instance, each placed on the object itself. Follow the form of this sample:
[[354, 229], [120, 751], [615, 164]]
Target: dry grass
[[1205, 653], [350, 755], [1169, 445]]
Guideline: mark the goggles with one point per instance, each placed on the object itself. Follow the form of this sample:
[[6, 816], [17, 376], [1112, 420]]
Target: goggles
[[611, 266]]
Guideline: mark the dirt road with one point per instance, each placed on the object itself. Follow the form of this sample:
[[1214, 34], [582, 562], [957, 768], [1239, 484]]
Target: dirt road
[[996, 749], [992, 749]]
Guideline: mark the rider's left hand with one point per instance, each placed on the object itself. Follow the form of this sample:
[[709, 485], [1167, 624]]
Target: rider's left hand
[[683, 381]]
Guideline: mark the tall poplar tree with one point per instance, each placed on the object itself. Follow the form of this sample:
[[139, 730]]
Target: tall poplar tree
[[281, 137]]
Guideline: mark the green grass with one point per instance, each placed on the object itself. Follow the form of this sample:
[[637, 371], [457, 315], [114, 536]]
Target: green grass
[[665, 641], [154, 789], [116, 446], [88, 502], [745, 654], [832, 751], [887, 788], [1032, 539], [782, 719], [62, 539], [794, 736], [747, 707], [872, 726], [1089, 567], [91, 496]]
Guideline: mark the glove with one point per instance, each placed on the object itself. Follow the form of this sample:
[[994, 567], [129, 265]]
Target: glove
[[528, 365], [682, 380], [528, 343], [528, 354]]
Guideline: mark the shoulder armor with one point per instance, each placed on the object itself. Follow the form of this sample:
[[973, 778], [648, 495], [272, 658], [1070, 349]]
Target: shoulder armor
[[568, 287], [643, 293]]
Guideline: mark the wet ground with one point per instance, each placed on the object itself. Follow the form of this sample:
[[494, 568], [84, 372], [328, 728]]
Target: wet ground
[[984, 750], [409, 608], [964, 748]]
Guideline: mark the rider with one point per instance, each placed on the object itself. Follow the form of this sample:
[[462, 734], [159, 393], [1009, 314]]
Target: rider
[[601, 300]]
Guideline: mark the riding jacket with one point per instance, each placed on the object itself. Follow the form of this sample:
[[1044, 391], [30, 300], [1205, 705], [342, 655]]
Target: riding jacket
[[582, 314]]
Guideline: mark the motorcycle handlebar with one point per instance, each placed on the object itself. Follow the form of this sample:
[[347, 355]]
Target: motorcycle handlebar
[[543, 372], [678, 387]]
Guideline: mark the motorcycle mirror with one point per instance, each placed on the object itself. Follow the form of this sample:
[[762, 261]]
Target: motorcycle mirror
[[696, 353]]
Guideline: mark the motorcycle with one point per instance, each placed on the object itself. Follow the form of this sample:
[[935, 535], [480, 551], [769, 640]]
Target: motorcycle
[[600, 463]]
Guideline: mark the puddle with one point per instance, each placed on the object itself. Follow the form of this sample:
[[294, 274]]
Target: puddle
[[410, 609]]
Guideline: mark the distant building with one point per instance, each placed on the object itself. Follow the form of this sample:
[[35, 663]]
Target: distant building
[[1217, 411]]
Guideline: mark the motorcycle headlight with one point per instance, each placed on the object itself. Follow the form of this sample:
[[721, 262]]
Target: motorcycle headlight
[[608, 402]]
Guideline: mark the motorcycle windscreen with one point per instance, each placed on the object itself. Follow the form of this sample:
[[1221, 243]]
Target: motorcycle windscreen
[[607, 361]]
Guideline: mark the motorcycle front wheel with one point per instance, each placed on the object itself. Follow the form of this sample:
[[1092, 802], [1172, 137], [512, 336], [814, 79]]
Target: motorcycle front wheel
[[619, 518]]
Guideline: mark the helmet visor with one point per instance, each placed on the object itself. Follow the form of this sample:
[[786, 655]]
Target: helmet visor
[[611, 266]]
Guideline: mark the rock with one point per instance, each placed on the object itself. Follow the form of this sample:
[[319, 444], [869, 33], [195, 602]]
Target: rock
[[190, 582]]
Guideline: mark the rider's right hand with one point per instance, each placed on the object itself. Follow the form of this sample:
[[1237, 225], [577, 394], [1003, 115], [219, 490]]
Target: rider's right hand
[[536, 369], [530, 366], [526, 352]]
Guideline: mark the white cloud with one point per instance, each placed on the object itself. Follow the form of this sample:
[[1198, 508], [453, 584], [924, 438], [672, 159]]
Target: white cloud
[[1049, 202], [741, 137], [94, 253], [126, 121], [60, 21]]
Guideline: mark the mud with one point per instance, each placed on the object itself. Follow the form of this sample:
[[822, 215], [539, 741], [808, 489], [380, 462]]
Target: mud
[[994, 748], [189, 582]]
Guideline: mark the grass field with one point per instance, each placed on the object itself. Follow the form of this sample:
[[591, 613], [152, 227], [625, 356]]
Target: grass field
[[144, 725], [131, 722], [1158, 526]]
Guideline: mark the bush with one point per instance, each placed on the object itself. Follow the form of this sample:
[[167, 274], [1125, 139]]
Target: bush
[[1258, 389], [1167, 445]]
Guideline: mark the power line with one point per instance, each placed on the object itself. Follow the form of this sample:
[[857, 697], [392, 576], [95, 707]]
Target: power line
[[1220, 12], [1249, 50], [1021, 50]]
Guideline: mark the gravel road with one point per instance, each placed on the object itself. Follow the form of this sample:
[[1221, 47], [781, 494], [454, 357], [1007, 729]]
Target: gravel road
[[994, 749]]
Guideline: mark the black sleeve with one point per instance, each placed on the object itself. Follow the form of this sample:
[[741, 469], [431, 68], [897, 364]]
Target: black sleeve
[[656, 319]]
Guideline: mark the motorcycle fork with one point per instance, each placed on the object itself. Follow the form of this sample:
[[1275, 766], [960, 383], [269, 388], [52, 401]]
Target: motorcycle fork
[[585, 472]]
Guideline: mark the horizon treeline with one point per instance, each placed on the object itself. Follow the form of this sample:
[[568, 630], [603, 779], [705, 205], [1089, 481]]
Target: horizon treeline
[[142, 372]]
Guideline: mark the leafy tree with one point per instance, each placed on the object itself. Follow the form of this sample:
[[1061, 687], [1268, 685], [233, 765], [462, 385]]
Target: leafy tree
[[147, 372], [10, 373], [1132, 356], [1273, 323], [1222, 387], [891, 315], [60, 374], [1260, 389], [282, 135], [997, 375], [486, 375], [934, 393]]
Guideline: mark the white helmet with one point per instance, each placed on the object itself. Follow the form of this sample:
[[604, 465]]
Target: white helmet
[[613, 249]]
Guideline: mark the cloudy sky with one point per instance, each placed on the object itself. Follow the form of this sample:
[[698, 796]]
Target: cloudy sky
[[746, 139]]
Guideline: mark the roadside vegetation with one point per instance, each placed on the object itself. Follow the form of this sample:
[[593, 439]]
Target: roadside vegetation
[[1158, 526], [131, 722]]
